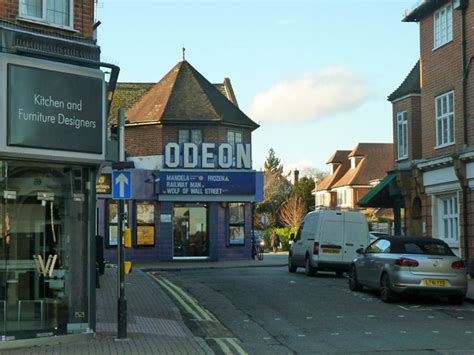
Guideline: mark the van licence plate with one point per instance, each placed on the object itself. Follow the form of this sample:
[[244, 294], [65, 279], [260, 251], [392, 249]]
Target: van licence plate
[[435, 282], [330, 251]]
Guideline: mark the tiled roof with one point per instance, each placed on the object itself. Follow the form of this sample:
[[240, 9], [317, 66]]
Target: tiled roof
[[411, 84], [184, 95], [376, 160], [126, 95], [339, 157]]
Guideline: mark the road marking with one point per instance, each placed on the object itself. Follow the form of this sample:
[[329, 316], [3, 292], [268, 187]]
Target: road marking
[[370, 316], [246, 320], [266, 338], [189, 303], [301, 335], [309, 317], [223, 346], [430, 317], [435, 331], [334, 333], [403, 331], [401, 316], [235, 344], [368, 333], [460, 317], [277, 319], [468, 332], [339, 317]]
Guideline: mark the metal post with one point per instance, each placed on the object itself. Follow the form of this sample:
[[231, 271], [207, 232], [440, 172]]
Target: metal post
[[122, 302]]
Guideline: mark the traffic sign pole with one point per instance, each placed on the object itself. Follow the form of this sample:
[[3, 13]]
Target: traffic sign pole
[[122, 302]]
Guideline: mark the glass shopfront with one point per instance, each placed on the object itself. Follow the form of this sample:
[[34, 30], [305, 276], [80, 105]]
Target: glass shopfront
[[44, 229], [190, 235]]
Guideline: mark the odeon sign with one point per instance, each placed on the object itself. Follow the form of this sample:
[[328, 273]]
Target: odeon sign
[[208, 156]]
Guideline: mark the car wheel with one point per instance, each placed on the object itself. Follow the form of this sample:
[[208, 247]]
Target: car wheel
[[308, 269], [386, 293], [291, 266], [354, 285], [456, 299]]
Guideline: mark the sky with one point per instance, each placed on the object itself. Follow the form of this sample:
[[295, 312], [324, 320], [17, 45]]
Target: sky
[[314, 74]]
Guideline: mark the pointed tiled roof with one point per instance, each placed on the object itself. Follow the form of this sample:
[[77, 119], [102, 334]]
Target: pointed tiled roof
[[339, 157], [125, 96], [411, 84], [376, 160], [184, 95]]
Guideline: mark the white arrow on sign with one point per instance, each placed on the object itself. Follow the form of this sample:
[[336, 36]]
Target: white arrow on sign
[[121, 180]]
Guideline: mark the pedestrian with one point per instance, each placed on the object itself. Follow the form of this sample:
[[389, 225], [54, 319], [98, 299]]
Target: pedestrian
[[275, 242]]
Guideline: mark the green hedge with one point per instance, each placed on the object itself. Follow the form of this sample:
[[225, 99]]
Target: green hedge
[[283, 233]]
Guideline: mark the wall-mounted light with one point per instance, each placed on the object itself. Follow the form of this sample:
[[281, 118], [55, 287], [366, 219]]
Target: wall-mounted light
[[224, 204]]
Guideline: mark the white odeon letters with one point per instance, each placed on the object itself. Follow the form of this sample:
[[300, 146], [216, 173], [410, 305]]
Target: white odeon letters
[[192, 155]]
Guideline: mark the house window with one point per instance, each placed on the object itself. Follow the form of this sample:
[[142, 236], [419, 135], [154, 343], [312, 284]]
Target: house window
[[445, 119], [443, 26], [53, 12], [236, 224], [234, 137], [402, 135], [190, 135], [448, 220]]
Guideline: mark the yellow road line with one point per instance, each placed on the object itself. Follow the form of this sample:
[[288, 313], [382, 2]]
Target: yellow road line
[[190, 304], [222, 345], [176, 296], [236, 345]]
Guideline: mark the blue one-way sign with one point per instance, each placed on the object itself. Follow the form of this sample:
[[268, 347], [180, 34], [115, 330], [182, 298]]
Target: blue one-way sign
[[122, 185]]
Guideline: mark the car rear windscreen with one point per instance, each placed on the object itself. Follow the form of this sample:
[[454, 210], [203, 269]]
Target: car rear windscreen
[[426, 247]]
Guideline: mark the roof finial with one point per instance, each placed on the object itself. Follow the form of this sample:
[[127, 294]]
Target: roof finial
[[184, 55]]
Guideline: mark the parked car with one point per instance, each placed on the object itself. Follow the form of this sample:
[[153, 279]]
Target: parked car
[[373, 236], [327, 240], [419, 265]]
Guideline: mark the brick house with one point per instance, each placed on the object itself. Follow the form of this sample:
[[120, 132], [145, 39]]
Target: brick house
[[53, 140], [191, 145], [353, 174], [433, 133]]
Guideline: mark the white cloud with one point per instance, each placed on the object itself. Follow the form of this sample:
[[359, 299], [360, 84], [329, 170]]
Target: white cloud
[[314, 95]]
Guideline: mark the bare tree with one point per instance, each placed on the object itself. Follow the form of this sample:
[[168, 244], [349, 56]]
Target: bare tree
[[292, 212]]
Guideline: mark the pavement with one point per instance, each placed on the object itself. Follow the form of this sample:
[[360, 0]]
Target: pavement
[[155, 324]]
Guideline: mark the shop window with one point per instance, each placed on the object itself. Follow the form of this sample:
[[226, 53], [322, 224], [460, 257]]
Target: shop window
[[51, 12], [112, 236], [234, 137], [145, 223], [189, 136], [236, 224]]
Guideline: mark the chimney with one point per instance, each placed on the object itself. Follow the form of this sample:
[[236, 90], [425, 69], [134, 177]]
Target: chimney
[[296, 176]]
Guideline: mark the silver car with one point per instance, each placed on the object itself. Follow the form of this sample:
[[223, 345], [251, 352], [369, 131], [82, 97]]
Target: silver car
[[419, 265]]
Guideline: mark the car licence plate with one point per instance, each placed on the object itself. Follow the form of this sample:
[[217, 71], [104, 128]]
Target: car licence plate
[[435, 282], [331, 251]]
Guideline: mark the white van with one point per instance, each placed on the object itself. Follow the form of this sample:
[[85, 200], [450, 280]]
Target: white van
[[327, 240]]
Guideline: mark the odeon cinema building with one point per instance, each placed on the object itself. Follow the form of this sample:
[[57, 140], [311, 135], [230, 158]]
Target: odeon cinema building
[[193, 188]]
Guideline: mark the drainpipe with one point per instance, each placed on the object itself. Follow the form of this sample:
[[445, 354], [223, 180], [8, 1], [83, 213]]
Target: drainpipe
[[461, 168]]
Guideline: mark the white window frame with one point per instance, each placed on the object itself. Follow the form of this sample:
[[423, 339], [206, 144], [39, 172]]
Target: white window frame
[[402, 135], [448, 219], [443, 26], [43, 19], [234, 137], [344, 197], [445, 120]]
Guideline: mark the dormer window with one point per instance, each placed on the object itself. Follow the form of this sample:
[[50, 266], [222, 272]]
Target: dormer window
[[354, 162], [51, 12]]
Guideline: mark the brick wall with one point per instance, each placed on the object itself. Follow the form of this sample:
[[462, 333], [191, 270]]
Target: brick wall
[[442, 72], [83, 19], [151, 139]]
